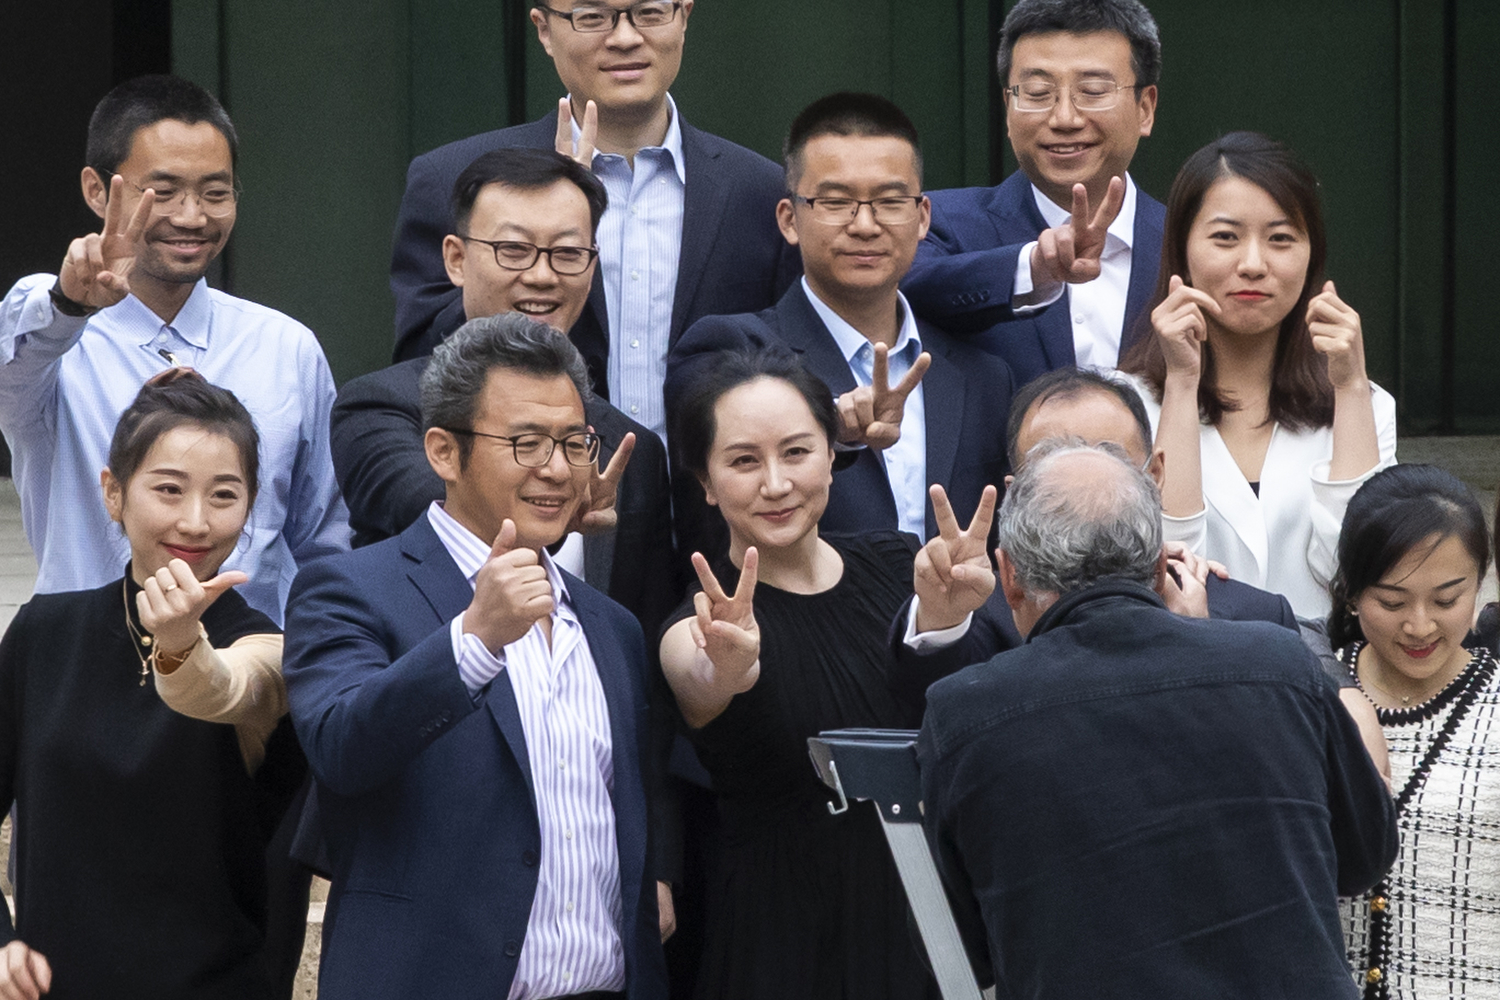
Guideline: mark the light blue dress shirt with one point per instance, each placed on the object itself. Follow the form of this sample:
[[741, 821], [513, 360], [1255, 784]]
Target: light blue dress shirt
[[64, 383], [640, 243], [906, 460]]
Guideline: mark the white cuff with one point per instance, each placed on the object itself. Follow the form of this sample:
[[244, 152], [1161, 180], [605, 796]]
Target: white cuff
[[1025, 297], [931, 642], [477, 666]]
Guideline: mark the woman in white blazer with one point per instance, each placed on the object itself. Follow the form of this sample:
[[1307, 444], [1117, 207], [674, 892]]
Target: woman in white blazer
[[1255, 378]]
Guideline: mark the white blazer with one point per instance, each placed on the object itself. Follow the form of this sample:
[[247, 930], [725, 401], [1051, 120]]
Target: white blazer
[[1286, 539]]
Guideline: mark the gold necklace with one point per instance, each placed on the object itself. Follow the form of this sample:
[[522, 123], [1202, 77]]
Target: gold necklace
[[142, 641], [1369, 675]]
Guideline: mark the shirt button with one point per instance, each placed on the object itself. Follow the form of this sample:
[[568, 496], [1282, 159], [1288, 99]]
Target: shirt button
[[1078, 320], [567, 976], [562, 765], [635, 343], [570, 910], [568, 834], [635, 276], [634, 408]]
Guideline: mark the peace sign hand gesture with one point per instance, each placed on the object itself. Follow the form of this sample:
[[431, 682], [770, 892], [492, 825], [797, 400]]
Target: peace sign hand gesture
[[952, 575], [596, 514], [1072, 252], [588, 130], [96, 270], [871, 414], [725, 631]]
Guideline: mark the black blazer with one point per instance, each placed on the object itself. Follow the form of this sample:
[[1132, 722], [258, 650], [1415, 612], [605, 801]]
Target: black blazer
[[966, 395], [993, 630], [732, 258], [1167, 806]]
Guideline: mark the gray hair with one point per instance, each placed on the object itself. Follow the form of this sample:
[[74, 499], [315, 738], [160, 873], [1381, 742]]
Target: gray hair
[[455, 377], [1061, 539], [1081, 17]]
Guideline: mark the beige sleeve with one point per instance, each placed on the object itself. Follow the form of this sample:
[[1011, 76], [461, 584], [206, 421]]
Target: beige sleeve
[[240, 685]]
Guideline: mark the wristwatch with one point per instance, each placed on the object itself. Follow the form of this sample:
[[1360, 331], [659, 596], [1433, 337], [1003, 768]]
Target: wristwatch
[[67, 306]]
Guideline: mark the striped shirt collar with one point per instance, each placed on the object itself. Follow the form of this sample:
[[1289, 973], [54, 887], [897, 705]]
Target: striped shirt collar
[[469, 552], [672, 143]]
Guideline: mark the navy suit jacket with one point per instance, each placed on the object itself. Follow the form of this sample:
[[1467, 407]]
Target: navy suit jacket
[[966, 267], [732, 257], [993, 630], [966, 395], [426, 794], [1135, 804]]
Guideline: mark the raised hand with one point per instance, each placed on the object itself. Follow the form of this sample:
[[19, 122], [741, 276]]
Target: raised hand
[[1181, 327], [597, 513], [96, 270], [24, 972], [1336, 335], [583, 150], [1072, 251], [952, 576], [511, 593], [725, 629], [1185, 588], [871, 414], [172, 600]]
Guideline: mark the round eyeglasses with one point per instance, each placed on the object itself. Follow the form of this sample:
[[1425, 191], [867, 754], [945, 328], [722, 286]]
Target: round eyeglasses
[[514, 255], [215, 199], [647, 14], [533, 451]]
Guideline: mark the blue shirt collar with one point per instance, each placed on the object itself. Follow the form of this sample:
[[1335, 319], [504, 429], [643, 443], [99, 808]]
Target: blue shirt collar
[[851, 341], [192, 322], [672, 144]]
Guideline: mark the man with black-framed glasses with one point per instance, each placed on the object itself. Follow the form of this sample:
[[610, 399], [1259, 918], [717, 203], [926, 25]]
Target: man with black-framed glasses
[[1052, 267], [690, 230], [916, 406]]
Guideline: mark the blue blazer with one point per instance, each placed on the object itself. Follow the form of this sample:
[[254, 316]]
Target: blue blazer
[[966, 267], [966, 395], [732, 257], [425, 794]]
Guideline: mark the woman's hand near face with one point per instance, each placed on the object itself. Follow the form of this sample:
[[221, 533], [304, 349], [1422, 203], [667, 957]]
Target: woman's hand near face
[[172, 600], [715, 655], [1181, 327], [1337, 336], [24, 973]]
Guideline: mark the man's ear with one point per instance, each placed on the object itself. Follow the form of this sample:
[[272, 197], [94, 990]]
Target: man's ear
[[543, 30], [114, 496], [786, 221], [454, 257], [1015, 594], [1157, 467], [443, 454], [95, 190]]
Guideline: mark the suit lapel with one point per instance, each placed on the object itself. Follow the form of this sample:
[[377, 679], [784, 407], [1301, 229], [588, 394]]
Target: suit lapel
[[804, 332], [610, 662], [943, 405], [703, 200]]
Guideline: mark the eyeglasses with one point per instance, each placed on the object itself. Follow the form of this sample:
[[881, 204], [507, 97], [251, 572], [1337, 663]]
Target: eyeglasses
[[1088, 95], [216, 198], [533, 451], [646, 14], [513, 255], [892, 211]]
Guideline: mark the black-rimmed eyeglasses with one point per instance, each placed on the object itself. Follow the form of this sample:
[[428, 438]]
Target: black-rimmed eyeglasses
[[514, 255], [646, 14], [533, 451]]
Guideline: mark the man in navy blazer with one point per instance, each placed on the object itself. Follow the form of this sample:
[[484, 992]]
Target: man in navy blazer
[[1028, 268], [857, 214], [474, 715], [691, 226]]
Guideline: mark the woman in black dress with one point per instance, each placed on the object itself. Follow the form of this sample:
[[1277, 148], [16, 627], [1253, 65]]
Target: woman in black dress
[[803, 903], [139, 732]]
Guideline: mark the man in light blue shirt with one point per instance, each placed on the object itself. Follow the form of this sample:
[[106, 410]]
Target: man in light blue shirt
[[130, 301]]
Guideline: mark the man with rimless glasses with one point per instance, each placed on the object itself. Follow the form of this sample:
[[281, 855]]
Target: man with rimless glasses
[[690, 229], [1052, 268], [916, 406]]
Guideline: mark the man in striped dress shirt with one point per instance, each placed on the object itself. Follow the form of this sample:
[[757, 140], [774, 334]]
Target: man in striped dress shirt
[[474, 715]]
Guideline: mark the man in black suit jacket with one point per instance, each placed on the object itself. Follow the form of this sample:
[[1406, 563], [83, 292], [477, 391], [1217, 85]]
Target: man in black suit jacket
[[1135, 802], [857, 214], [722, 254]]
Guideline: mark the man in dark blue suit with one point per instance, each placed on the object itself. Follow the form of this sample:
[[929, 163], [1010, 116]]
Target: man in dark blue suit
[[1028, 267], [1135, 803], [474, 715], [857, 214], [691, 226]]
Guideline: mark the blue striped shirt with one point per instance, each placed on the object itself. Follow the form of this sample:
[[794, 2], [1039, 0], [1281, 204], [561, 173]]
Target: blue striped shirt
[[572, 942], [640, 243], [64, 383]]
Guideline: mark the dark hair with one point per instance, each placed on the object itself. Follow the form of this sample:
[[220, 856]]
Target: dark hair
[[846, 113], [694, 424], [1301, 394], [460, 367], [1392, 514], [181, 397], [1069, 383], [144, 101], [525, 170], [1081, 17]]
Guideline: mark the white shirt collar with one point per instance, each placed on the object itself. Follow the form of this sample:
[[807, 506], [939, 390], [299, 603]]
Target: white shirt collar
[[470, 552], [672, 143], [1122, 229], [850, 340]]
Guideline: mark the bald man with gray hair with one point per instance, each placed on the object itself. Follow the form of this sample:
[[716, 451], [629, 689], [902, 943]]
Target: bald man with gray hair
[[1135, 803]]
